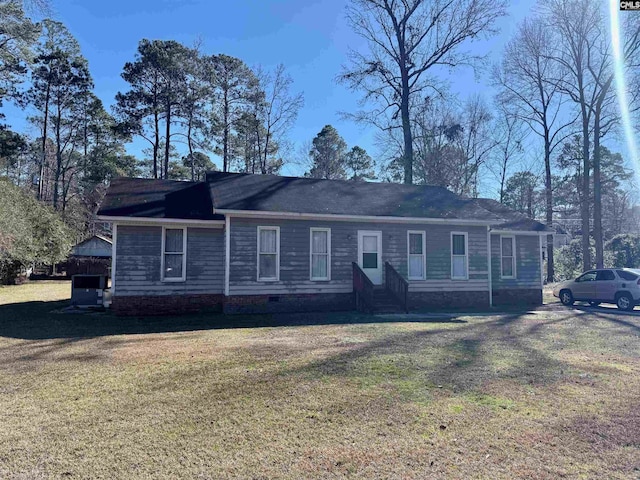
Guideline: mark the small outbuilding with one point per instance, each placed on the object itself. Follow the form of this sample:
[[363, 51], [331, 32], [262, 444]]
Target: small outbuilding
[[95, 246], [92, 256]]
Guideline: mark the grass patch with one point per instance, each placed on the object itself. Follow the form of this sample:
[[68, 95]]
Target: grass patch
[[489, 401], [343, 395], [41, 291]]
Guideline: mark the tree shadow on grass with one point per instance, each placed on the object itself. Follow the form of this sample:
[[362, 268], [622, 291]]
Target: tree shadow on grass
[[24, 355], [613, 315], [45, 320], [461, 359]]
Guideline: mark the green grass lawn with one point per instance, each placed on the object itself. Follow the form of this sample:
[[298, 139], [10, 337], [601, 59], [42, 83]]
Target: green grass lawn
[[541, 395]]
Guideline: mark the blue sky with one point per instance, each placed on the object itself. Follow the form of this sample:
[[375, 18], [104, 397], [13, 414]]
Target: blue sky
[[310, 37]]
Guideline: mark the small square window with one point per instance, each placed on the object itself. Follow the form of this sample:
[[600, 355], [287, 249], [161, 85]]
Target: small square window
[[369, 260]]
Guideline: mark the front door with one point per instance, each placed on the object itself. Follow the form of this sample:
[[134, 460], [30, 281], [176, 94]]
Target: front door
[[370, 255]]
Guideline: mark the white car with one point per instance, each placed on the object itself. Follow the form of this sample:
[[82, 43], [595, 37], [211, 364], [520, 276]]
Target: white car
[[608, 285]]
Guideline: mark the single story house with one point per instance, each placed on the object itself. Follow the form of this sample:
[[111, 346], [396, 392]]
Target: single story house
[[264, 243]]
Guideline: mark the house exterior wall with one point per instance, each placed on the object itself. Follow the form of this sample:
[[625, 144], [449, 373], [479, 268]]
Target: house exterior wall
[[138, 262], [139, 287], [526, 287], [295, 252], [528, 273]]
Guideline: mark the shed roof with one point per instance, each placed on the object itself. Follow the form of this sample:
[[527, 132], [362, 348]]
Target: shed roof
[[88, 239]]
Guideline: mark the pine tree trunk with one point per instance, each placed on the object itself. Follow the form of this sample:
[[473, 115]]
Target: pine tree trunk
[[548, 193], [167, 142], [503, 179], [44, 145], [597, 187], [263, 165], [56, 187], [406, 122], [408, 143], [266, 150], [156, 123], [585, 207], [193, 169], [225, 139], [597, 193]]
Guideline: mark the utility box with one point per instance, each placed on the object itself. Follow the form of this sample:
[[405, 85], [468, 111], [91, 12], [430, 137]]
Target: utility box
[[88, 290]]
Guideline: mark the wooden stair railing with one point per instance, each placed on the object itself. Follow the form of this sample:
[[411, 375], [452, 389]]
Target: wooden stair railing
[[396, 285], [363, 290]]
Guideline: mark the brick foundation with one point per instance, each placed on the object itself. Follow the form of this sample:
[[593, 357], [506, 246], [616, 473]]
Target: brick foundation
[[448, 300], [517, 296], [165, 304], [291, 303], [322, 302], [177, 304]]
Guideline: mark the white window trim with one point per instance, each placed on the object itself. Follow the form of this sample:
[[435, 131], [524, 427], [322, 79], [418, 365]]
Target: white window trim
[[466, 255], [513, 251], [114, 257], [277, 277], [183, 278], [318, 229], [378, 235], [424, 254]]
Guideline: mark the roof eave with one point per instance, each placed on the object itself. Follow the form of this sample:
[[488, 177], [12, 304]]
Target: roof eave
[[347, 218], [157, 220]]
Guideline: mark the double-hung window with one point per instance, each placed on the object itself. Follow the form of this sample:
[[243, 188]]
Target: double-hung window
[[268, 253], [174, 254], [459, 256], [416, 246], [320, 248], [507, 257]]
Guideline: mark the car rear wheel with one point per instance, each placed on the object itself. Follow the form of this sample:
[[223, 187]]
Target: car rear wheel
[[625, 302], [594, 304], [566, 297]]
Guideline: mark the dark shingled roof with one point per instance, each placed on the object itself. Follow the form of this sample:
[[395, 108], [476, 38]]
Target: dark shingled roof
[[143, 197], [136, 197], [512, 220], [233, 191]]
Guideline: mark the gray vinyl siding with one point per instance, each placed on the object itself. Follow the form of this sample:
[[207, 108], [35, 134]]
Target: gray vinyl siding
[[138, 262], [528, 273], [294, 256]]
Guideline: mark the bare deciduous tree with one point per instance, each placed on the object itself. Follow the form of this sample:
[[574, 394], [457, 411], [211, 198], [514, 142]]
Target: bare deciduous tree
[[476, 142], [584, 51], [530, 81], [605, 109], [406, 40], [576, 29], [279, 110], [508, 136]]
